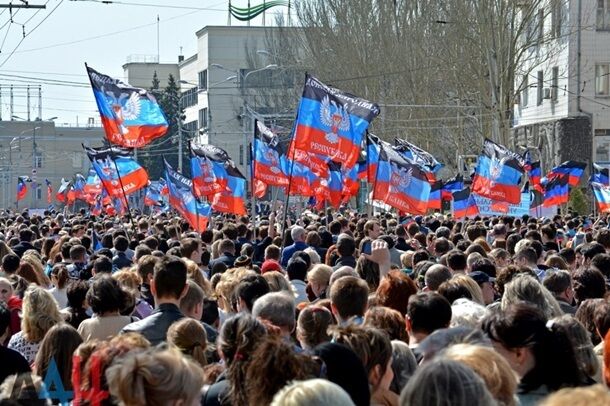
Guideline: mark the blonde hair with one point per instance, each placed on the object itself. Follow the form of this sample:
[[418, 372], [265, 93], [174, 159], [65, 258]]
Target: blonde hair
[[193, 272], [40, 313], [189, 337], [154, 378], [31, 257], [226, 287], [312, 392], [589, 395], [5, 250], [277, 281], [472, 286], [495, 371], [320, 274]]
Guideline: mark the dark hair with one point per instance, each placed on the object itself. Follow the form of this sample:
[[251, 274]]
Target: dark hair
[[589, 283], [5, 318], [60, 271], [297, 269], [428, 311], [523, 325], [10, 263], [452, 290], [188, 246], [484, 265], [527, 253], [591, 249], [77, 294], [456, 260], [601, 318], [170, 277], [251, 288], [26, 235], [372, 345], [346, 246], [602, 263], [121, 243], [557, 281], [106, 295], [102, 265], [420, 256], [58, 345], [350, 296], [369, 271]]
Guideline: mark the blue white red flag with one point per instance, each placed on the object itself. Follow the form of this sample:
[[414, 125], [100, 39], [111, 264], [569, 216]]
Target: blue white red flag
[[22, 188], [209, 169], [600, 175], [62, 192], [269, 157], [130, 115], [602, 196]]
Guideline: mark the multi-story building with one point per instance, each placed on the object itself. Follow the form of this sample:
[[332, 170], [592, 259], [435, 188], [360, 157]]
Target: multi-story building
[[564, 108], [139, 70], [40, 150]]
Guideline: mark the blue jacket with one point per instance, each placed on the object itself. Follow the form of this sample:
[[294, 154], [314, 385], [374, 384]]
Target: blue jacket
[[291, 249]]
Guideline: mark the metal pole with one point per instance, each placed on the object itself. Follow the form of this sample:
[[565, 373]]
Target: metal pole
[[179, 142], [40, 102], [28, 101]]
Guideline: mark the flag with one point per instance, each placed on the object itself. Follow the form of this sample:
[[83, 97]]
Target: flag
[[49, 191], [208, 169], [498, 174], [372, 156], [330, 125], [454, 184], [602, 196], [418, 156], [556, 190], [401, 184], [600, 175], [351, 183], [302, 179], [62, 192], [78, 187], [115, 166], [534, 171], [464, 204], [164, 188], [435, 201], [22, 189], [130, 115], [335, 184], [153, 195], [182, 199], [96, 210], [231, 200], [268, 157], [573, 169], [93, 185]]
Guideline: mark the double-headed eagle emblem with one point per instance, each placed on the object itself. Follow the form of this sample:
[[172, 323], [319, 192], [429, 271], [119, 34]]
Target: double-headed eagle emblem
[[495, 168], [335, 117], [400, 178]]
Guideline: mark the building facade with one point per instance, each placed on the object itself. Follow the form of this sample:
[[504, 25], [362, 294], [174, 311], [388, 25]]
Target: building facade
[[564, 105], [40, 150], [139, 70]]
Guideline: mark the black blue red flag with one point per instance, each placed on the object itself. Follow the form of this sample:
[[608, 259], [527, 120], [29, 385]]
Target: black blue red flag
[[269, 157], [330, 125], [209, 169], [498, 173], [182, 199], [93, 185], [452, 185], [153, 196], [372, 156], [119, 173], [573, 169], [418, 156], [130, 115], [600, 175], [556, 190], [435, 200], [464, 204]]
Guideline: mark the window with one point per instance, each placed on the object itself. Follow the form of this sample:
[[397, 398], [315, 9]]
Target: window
[[603, 15], [203, 80], [203, 118], [540, 87], [190, 128], [540, 25], [525, 92], [556, 17], [241, 154], [250, 79], [189, 98], [602, 79], [38, 160], [38, 192], [555, 83]]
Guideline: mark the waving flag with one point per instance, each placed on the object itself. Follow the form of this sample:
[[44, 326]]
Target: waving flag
[[330, 125], [62, 192], [372, 156], [153, 195], [49, 191], [208, 169], [335, 184], [182, 199], [435, 201], [602, 196], [268, 157], [600, 175], [164, 188], [303, 178], [498, 173], [572, 169], [93, 184], [401, 184], [556, 190], [78, 187], [115, 166], [452, 185], [351, 182], [464, 204], [22, 189], [231, 200], [131, 116], [534, 171], [418, 156]]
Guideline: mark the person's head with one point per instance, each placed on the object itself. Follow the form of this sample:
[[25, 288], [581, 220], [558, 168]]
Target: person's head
[[155, 377], [39, 313], [525, 288], [26, 235], [297, 269], [388, 320], [427, 312], [277, 308], [404, 365], [272, 252], [169, 280], [372, 229], [146, 268], [559, 283], [76, 292], [349, 297], [374, 349], [589, 283], [191, 248], [500, 379], [520, 334], [102, 265], [590, 250], [435, 276], [78, 253], [589, 395], [456, 261], [526, 257], [249, 289], [312, 326], [466, 313], [446, 382], [581, 343], [189, 337], [346, 245], [319, 278], [5, 321], [106, 296], [10, 264], [277, 282], [6, 291], [394, 291], [312, 392], [226, 246], [368, 270], [58, 345], [298, 234], [191, 304], [601, 318]]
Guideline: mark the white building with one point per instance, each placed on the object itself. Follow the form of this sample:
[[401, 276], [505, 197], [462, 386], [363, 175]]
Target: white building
[[139, 71], [564, 107]]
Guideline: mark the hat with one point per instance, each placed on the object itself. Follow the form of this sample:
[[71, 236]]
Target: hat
[[243, 260], [481, 277], [270, 265]]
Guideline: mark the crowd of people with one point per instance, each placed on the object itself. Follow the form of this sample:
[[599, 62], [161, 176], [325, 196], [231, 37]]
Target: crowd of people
[[326, 308]]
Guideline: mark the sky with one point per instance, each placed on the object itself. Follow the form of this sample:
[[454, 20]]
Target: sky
[[60, 39]]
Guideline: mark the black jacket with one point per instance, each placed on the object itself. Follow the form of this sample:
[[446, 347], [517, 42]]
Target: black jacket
[[154, 327], [22, 247], [226, 258]]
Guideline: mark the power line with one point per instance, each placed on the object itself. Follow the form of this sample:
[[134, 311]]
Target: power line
[[127, 3]]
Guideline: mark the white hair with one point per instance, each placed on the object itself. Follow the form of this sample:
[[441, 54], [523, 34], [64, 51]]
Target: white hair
[[526, 288], [318, 392], [313, 255], [466, 313], [296, 232]]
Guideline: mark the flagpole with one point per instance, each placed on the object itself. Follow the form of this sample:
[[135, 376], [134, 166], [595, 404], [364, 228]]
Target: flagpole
[[253, 197], [376, 177], [287, 198]]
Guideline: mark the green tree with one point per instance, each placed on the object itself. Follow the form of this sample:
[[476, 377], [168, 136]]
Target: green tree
[[151, 156], [579, 202]]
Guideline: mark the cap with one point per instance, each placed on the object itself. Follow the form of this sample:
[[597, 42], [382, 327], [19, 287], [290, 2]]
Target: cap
[[270, 265], [481, 277]]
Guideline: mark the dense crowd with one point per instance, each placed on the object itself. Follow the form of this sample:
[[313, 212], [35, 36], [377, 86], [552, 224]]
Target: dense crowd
[[329, 308]]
